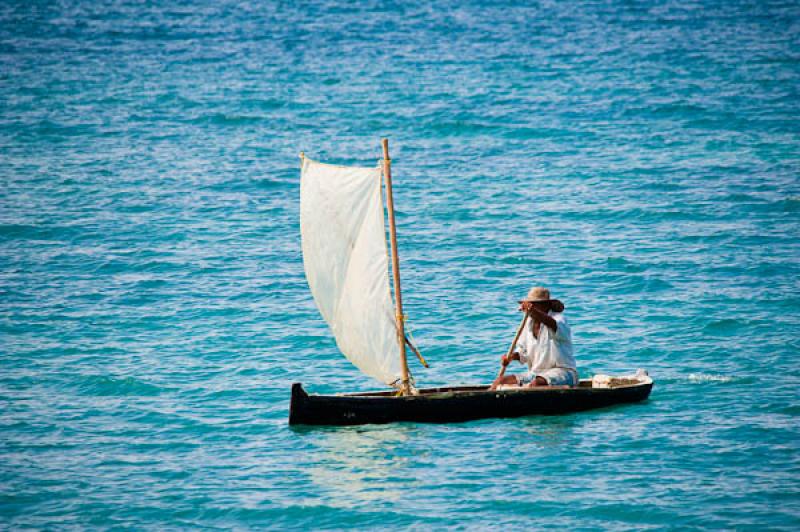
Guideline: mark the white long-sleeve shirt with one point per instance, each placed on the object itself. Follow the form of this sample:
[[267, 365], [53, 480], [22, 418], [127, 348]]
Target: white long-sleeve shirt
[[551, 349]]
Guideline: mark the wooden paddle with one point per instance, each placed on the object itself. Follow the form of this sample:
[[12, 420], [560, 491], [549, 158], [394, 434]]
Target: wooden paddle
[[511, 349]]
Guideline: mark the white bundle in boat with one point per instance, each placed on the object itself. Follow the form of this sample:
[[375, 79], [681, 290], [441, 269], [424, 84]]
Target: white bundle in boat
[[609, 381], [347, 266]]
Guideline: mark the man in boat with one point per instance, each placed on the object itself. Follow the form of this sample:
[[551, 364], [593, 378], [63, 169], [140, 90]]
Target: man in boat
[[545, 345]]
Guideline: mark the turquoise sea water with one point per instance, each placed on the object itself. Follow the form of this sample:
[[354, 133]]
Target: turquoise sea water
[[642, 160]]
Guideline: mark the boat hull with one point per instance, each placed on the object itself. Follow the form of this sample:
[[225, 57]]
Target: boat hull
[[448, 405]]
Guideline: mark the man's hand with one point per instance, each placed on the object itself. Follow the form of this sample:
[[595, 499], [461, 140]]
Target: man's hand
[[506, 360]]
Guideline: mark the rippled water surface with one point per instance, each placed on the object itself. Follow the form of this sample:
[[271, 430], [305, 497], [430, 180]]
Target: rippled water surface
[[641, 160]]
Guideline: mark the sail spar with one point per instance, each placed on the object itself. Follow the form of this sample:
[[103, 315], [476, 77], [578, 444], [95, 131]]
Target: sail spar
[[346, 262]]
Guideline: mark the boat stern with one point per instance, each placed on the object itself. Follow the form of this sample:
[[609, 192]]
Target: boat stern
[[297, 403]]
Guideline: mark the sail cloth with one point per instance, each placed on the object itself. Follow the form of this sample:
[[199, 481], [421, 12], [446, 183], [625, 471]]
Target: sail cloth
[[347, 265]]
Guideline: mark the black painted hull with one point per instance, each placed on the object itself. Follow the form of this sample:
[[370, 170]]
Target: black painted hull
[[448, 405]]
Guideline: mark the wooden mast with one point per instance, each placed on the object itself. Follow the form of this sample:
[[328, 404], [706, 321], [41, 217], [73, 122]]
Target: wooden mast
[[401, 333]]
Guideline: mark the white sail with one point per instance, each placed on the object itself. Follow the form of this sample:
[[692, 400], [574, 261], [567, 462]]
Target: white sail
[[346, 262]]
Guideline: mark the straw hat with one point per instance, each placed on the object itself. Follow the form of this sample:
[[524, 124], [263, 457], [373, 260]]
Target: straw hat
[[538, 294]]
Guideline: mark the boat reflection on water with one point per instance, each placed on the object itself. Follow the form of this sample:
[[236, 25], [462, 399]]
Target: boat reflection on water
[[359, 465], [544, 432]]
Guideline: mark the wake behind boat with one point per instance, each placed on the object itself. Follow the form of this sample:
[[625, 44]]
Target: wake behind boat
[[346, 260]]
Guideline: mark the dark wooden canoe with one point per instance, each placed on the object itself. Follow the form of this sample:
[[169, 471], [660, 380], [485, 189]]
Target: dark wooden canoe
[[461, 403]]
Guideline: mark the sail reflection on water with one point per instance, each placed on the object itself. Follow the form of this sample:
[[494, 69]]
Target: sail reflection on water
[[357, 466]]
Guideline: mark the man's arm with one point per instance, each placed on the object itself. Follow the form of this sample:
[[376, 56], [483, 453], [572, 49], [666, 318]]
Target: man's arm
[[544, 318]]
